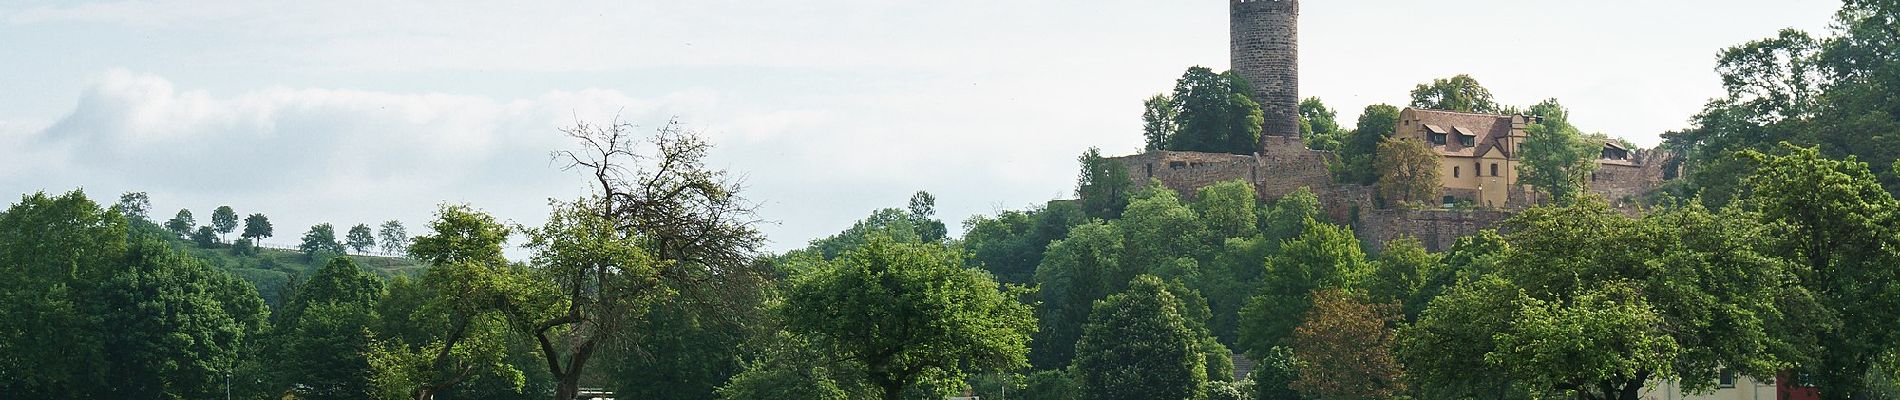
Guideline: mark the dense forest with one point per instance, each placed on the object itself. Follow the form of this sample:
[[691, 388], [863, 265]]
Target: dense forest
[[1775, 256]]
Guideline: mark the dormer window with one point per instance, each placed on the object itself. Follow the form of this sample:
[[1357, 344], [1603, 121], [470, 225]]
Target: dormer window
[[1437, 134], [1465, 136]]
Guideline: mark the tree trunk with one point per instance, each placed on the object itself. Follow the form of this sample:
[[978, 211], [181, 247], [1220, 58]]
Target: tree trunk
[[568, 387]]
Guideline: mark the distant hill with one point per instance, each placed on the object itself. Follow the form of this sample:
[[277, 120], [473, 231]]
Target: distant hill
[[272, 269]]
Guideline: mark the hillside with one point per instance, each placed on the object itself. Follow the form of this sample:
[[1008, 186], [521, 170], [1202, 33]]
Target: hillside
[[270, 269]]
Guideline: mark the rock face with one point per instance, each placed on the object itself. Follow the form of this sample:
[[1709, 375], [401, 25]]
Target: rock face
[[1265, 51]]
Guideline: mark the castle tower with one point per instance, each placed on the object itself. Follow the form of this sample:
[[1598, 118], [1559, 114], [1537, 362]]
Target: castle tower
[[1266, 51]]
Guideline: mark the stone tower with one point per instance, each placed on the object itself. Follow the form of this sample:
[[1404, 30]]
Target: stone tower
[[1266, 51]]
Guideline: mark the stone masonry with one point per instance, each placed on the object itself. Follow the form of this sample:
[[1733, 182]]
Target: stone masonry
[[1265, 50]]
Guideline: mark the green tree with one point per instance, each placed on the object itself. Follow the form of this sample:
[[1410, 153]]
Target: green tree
[[923, 209], [392, 236], [1408, 171], [1833, 221], [1156, 231], [178, 327], [320, 237], [1460, 93], [451, 326], [136, 206], [1214, 114], [1346, 349], [1325, 257], [53, 251], [1402, 273], [1319, 127], [182, 223], [1227, 209], [1075, 272], [360, 238], [1556, 157], [1011, 244], [1139, 345], [224, 220], [1103, 186], [1158, 121], [204, 237], [1358, 147], [907, 315], [1444, 353], [325, 337], [256, 227]]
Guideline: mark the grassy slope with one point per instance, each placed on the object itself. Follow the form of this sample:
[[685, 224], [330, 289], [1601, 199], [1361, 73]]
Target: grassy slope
[[272, 269]]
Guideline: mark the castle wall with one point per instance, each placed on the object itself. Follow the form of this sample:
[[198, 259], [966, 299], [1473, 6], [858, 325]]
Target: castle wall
[[1265, 50], [1287, 165], [1437, 229], [1187, 171]]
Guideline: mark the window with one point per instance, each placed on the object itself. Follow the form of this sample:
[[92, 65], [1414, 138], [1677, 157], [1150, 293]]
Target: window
[[1727, 379], [1466, 141], [1449, 201], [1494, 169], [1475, 170], [1454, 172], [1438, 139], [1177, 164]]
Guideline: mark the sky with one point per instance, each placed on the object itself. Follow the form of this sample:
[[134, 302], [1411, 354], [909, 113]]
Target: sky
[[361, 111]]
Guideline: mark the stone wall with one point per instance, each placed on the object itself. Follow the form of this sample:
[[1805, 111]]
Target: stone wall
[[1437, 229], [1186, 171], [1625, 182], [1287, 165], [1265, 50]]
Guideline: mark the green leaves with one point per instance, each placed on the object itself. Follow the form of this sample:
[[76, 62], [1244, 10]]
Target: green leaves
[[1208, 112], [1460, 93], [1138, 344]]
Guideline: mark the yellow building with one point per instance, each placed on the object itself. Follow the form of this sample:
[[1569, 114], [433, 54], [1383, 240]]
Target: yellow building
[[1478, 152]]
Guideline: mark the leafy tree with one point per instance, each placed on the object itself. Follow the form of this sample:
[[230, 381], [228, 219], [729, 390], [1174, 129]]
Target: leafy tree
[[1325, 257], [791, 368], [394, 239], [177, 326], [1408, 171], [1214, 114], [906, 315], [1833, 222], [1460, 93], [224, 220], [1439, 352], [1346, 349], [1156, 231], [54, 250], [1053, 384], [204, 237], [325, 337], [1158, 121], [256, 227], [1227, 209], [320, 237], [923, 206], [1358, 147], [1274, 374], [1075, 272], [1318, 126], [360, 238], [899, 225], [451, 326], [136, 206], [1104, 185], [1556, 157], [182, 223], [1139, 345], [644, 237], [1011, 244], [1402, 274]]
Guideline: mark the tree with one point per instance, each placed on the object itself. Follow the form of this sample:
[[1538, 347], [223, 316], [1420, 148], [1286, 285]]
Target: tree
[[1076, 271], [1346, 349], [178, 327], [1158, 121], [135, 205], [256, 227], [1157, 230], [1227, 209], [1556, 157], [327, 337], [321, 237], [1104, 185], [1408, 171], [659, 224], [1402, 274], [1359, 146], [360, 238], [923, 206], [394, 238], [224, 220], [1139, 345], [907, 314], [182, 223], [1213, 113], [204, 237], [454, 329], [1318, 126], [1011, 244], [1833, 222], [1324, 257], [1460, 93], [53, 251]]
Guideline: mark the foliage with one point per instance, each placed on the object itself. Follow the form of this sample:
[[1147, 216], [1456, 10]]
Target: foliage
[[1075, 272], [1011, 244], [1274, 373], [224, 220], [1319, 127], [176, 326], [324, 337], [1556, 158], [360, 238], [1407, 170], [1138, 344], [1227, 209], [1325, 257], [906, 315], [136, 206], [394, 239], [1103, 186], [1358, 148], [1402, 273], [182, 223], [320, 238], [1158, 122], [450, 326], [1460, 93], [256, 227], [204, 237], [1345, 348], [1210, 112]]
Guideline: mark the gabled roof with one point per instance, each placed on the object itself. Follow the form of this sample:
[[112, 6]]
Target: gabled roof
[[1491, 131]]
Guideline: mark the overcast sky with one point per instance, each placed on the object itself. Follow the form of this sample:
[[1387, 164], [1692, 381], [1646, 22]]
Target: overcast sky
[[359, 111]]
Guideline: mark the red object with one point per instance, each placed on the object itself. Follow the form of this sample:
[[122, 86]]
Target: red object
[[1787, 388]]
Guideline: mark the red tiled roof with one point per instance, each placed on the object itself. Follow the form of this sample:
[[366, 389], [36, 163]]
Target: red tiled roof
[[1491, 130]]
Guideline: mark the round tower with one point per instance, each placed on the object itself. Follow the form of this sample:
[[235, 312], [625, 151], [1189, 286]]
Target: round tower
[[1266, 52]]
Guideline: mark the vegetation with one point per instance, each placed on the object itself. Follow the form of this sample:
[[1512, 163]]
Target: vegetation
[[1208, 112], [1408, 171]]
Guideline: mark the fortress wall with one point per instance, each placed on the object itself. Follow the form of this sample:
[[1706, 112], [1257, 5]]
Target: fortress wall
[[1287, 165], [1186, 171], [1437, 229]]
